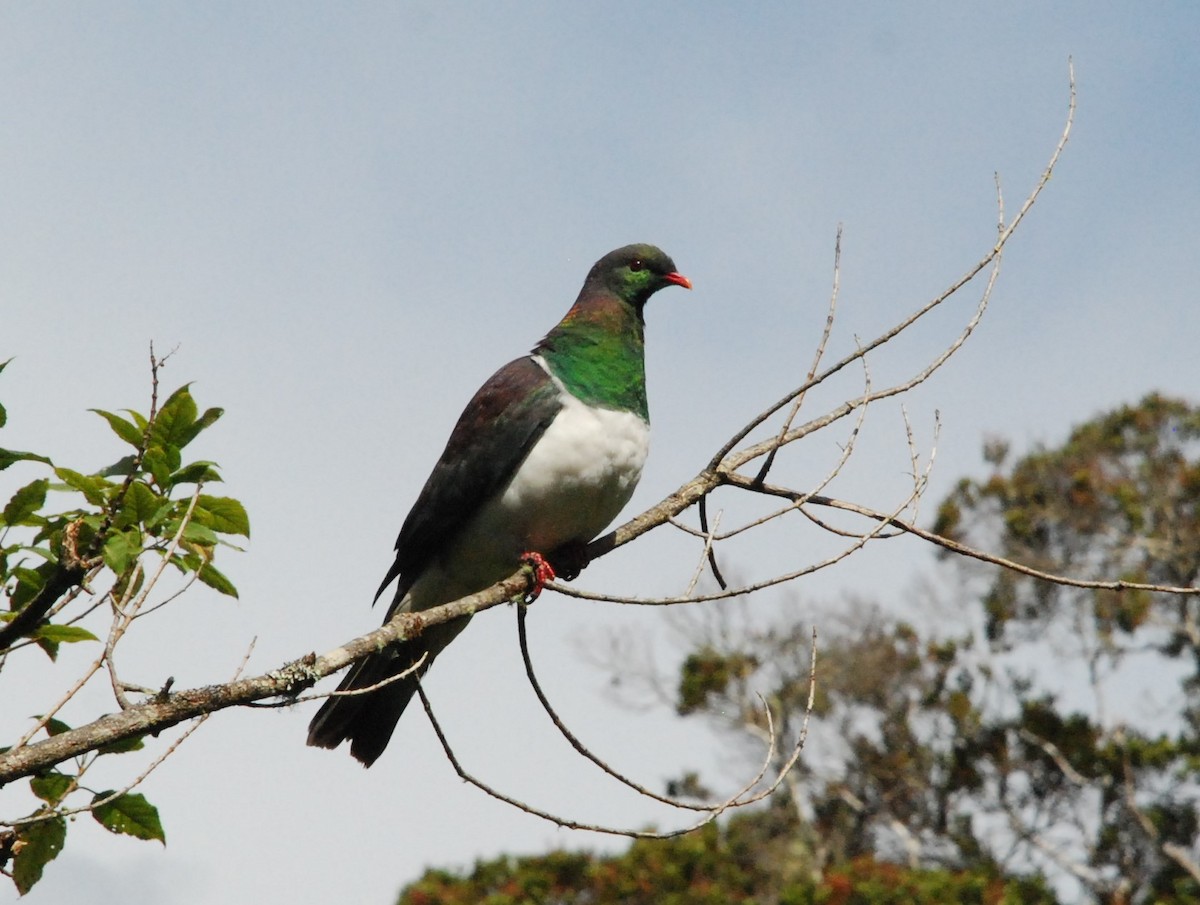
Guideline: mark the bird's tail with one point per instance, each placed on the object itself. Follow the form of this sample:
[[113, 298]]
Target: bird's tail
[[368, 720]]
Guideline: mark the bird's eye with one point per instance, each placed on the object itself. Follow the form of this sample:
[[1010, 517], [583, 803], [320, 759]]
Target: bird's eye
[[636, 264]]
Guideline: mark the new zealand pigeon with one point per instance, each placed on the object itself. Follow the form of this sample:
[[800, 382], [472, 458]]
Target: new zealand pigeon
[[543, 458]]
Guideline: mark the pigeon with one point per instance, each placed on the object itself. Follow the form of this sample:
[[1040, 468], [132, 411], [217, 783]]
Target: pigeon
[[542, 459]]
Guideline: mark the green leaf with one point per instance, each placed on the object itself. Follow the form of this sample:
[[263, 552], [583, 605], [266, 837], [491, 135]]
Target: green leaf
[[29, 582], [199, 534], [50, 648], [41, 843], [126, 430], [129, 814], [188, 562], [142, 506], [216, 580], [156, 463], [64, 634], [51, 787], [175, 422], [9, 456], [25, 502], [119, 469], [223, 514], [91, 486], [121, 549], [196, 473], [205, 420], [133, 743]]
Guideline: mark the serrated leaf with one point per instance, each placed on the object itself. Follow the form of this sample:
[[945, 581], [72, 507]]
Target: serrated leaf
[[175, 420], [129, 814], [47, 530], [40, 844], [195, 473], [9, 456], [126, 430], [25, 502], [120, 468], [155, 462], [51, 787], [223, 514], [29, 582], [216, 580], [121, 549], [141, 505], [199, 534], [64, 634], [204, 421], [91, 486]]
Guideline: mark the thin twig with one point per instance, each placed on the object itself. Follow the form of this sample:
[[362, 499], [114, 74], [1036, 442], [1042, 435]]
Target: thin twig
[[139, 779], [573, 739], [817, 356], [950, 291], [746, 483], [705, 556]]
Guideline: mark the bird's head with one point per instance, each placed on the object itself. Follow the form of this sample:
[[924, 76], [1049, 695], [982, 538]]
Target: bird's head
[[636, 272]]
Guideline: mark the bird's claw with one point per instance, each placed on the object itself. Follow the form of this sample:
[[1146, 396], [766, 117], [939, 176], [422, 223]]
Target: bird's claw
[[542, 573], [570, 559]]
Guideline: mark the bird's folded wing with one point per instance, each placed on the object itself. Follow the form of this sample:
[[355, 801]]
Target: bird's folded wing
[[492, 437]]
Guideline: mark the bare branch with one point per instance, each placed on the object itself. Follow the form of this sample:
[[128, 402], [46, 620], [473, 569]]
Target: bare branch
[[169, 709], [989, 259], [1175, 852], [573, 739], [962, 549], [817, 355], [737, 800]]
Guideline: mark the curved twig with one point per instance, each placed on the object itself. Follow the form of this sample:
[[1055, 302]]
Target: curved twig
[[574, 741]]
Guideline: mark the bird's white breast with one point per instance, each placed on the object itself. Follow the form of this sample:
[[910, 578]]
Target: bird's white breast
[[575, 480], [578, 476], [570, 486]]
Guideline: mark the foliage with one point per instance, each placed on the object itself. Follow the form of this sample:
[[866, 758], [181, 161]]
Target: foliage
[[744, 860], [1012, 742], [1119, 499], [68, 529]]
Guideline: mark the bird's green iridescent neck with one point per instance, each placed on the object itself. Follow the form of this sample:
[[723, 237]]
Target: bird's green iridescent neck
[[598, 352]]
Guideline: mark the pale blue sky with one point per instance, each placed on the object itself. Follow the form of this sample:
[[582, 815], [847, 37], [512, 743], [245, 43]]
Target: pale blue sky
[[347, 216]]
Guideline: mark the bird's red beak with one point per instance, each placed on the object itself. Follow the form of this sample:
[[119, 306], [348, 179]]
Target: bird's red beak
[[678, 279]]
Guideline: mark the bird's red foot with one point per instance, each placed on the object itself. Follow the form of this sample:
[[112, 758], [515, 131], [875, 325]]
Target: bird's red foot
[[542, 573]]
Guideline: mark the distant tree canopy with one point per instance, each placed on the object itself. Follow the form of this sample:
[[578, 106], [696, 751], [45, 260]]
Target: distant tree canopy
[[1119, 499], [1056, 729], [749, 858]]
